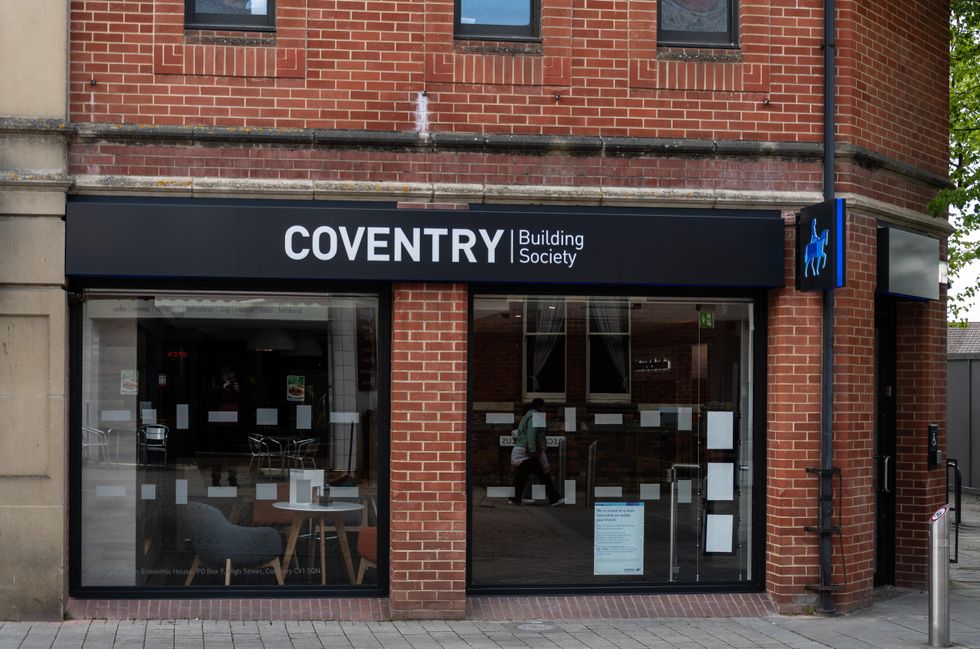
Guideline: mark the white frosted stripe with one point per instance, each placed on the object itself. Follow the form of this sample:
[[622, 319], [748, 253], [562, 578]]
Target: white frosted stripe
[[538, 492], [180, 492], [506, 440], [345, 492], [183, 416], [569, 420], [500, 492], [148, 492], [650, 491], [267, 416], [569, 492], [538, 420], [304, 417], [116, 415], [344, 417], [110, 491], [684, 492], [500, 418], [650, 418], [223, 416], [222, 492], [266, 491], [149, 416], [609, 419], [608, 492], [684, 419]]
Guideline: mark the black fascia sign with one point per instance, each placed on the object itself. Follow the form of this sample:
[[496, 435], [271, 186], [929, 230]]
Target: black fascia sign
[[197, 238], [820, 253]]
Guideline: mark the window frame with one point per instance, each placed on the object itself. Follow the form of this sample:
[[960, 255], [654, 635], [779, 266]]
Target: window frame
[[226, 21], [523, 33], [681, 38]]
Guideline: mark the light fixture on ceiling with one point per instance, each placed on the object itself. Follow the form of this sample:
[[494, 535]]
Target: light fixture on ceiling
[[269, 340]]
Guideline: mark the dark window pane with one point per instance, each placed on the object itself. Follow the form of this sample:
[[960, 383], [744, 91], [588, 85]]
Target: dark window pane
[[546, 364], [608, 367], [546, 316], [609, 316]]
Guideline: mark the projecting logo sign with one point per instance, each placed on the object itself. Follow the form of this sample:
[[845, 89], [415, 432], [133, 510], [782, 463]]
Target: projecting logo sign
[[820, 236]]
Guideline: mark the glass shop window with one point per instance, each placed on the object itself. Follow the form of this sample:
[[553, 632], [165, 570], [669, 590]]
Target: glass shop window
[[497, 19], [649, 460], [228, 439], [697, 23], [239, 15]]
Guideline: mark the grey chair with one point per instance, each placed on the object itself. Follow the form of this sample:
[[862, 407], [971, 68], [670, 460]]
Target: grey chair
[[153, 438], [221, 544]]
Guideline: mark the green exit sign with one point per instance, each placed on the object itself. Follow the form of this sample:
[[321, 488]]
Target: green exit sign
[[706, 320]]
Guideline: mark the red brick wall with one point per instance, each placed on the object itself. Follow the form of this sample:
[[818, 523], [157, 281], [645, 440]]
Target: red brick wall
[[921, 400], [892, 81], [428, 451]]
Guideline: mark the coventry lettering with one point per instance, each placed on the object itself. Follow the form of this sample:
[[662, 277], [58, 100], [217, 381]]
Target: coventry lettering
[[393, 244]]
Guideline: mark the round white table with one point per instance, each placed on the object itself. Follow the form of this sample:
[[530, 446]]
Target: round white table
[[335, 512]]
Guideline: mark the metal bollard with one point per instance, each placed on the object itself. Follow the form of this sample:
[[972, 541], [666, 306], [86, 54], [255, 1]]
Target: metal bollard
[[939, 578]]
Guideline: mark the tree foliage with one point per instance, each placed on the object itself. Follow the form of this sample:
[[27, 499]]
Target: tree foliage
[[963, 198]]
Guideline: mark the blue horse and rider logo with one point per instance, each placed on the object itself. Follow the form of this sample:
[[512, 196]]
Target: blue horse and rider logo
[[815, 255]]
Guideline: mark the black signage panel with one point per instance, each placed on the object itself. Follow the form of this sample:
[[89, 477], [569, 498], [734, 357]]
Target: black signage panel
[[820, 254], [372, 241]]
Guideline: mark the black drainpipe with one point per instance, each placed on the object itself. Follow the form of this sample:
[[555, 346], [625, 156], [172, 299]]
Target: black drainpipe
[[827, 387]]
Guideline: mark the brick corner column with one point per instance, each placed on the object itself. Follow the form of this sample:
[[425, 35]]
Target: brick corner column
[[428, 451], [921, 400]]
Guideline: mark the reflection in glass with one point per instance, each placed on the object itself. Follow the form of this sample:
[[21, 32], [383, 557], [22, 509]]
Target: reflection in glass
[[203, 404], [495, 12], [640, 379], [695, 15], [234, 7]]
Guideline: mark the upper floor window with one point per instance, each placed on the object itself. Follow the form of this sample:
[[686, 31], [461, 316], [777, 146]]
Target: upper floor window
[[251, 15], [697, 23], [497, 19]]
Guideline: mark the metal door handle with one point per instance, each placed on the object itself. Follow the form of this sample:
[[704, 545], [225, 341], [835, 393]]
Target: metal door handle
[[886, 489]]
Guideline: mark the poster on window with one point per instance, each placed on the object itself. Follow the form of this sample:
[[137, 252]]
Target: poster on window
[[129, 382], [295, 388], [618, 548]]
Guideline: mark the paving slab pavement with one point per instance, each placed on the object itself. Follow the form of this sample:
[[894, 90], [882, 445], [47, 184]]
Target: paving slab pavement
[[898, 619]]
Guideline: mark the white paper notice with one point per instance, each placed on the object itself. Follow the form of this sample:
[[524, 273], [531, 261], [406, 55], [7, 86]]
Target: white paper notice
[[149, 416], [500, 418], [180, 492], [718, 533], [720, 430], [683, 419], [650, 418], [183, 416], [649, 491], [538, 420], [267, 416], [569, 420], [609, 419], [304, 417], [618, 548], [223, 416], [500, 492], [684, 492], [721, 480]]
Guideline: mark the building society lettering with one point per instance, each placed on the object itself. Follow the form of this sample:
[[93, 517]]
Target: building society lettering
[[459, 245]]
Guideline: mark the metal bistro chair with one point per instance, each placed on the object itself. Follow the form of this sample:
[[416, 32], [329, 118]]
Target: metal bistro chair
[[302, 451], [93, 438], [153, 438], [263, 448]]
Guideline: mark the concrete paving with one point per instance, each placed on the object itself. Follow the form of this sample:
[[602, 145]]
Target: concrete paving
[[897, 620]]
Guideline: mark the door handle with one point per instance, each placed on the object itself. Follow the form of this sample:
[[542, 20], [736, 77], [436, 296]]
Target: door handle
[[886, 489]]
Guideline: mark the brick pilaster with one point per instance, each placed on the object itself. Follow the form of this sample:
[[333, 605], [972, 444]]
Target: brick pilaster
[[428, 451]]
